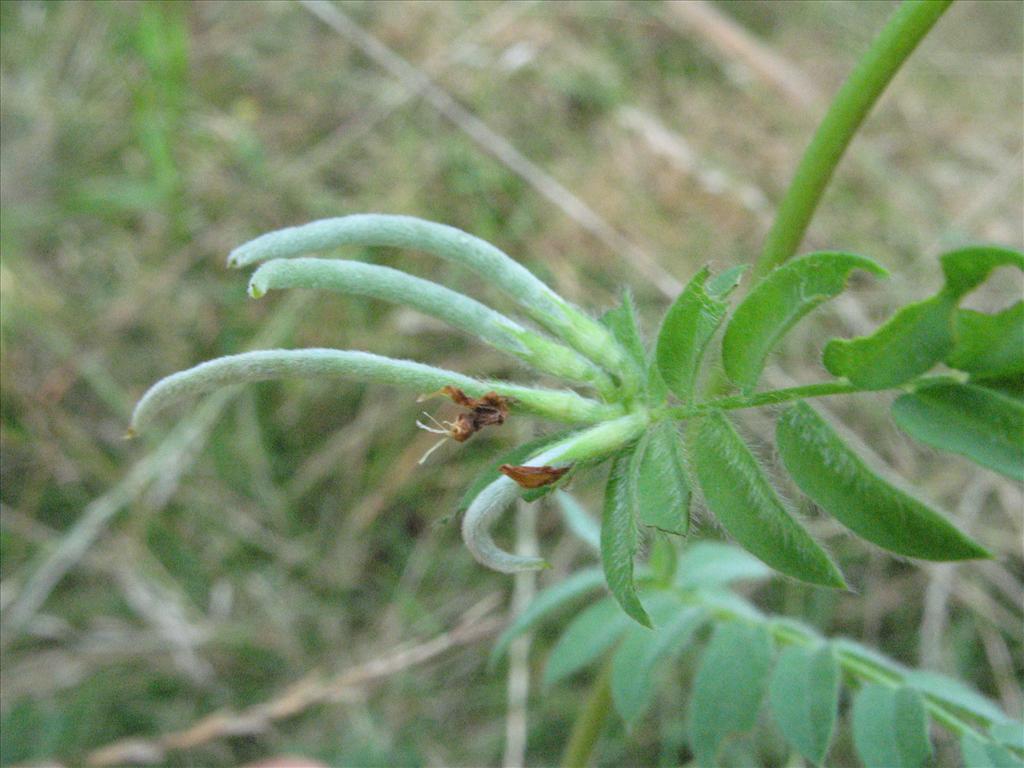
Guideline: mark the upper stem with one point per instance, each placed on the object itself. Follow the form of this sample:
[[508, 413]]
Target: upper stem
[[906, 27]]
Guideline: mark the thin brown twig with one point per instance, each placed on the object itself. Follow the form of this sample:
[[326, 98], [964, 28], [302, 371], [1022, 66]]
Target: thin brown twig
[[475, 624]]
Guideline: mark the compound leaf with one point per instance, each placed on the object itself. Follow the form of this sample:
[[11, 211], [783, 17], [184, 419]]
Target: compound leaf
[[804, 696], [839, 481], [905, 346], [777, 303], [546, 602], [985, 425], [739, 494], [662, 490], [688, 326], [619, 537], [589, 634], [728, 688], [890, 727], [633, 681], [989, 346]]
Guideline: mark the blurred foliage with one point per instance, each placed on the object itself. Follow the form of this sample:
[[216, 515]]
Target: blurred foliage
[[142, 141]]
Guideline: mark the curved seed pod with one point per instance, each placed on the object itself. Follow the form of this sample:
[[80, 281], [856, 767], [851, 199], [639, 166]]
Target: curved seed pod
[[456, 309], [601, 440], [269, 364], [497, 268]]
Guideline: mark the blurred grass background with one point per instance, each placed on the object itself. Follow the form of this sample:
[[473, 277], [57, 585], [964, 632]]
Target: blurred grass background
[[287, 530]]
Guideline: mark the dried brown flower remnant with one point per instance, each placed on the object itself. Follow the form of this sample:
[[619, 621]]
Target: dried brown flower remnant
[[489, 409], [533, 477]]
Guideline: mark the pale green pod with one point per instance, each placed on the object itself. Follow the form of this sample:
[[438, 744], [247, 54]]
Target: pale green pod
[[270, 364], [456, 309], [598, 441], [497, 268]]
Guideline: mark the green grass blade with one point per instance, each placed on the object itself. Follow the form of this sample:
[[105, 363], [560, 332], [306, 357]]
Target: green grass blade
[[839, 481], [742, 499], [777, 303]]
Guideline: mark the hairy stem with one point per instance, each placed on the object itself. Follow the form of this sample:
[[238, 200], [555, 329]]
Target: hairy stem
[[586, 730], [909, 23], [775, 396]]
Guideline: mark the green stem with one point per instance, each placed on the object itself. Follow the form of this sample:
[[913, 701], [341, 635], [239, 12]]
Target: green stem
[[906, 27], [775, 396], [586, 730]]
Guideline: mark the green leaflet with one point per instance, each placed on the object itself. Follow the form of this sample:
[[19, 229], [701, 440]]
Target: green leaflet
[[985, 425], [713, 564], [728, 688], [979, 754], [777, 303], [591, 632], [890, 727], [989, 346], [688, 326], [547, 601], [738, 493], [921, 334], [967, 268], [661, 490], [622, 322], [804, 696], [515, 456], [633, 681], [619, 537], [905, 346], [839, 481]]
